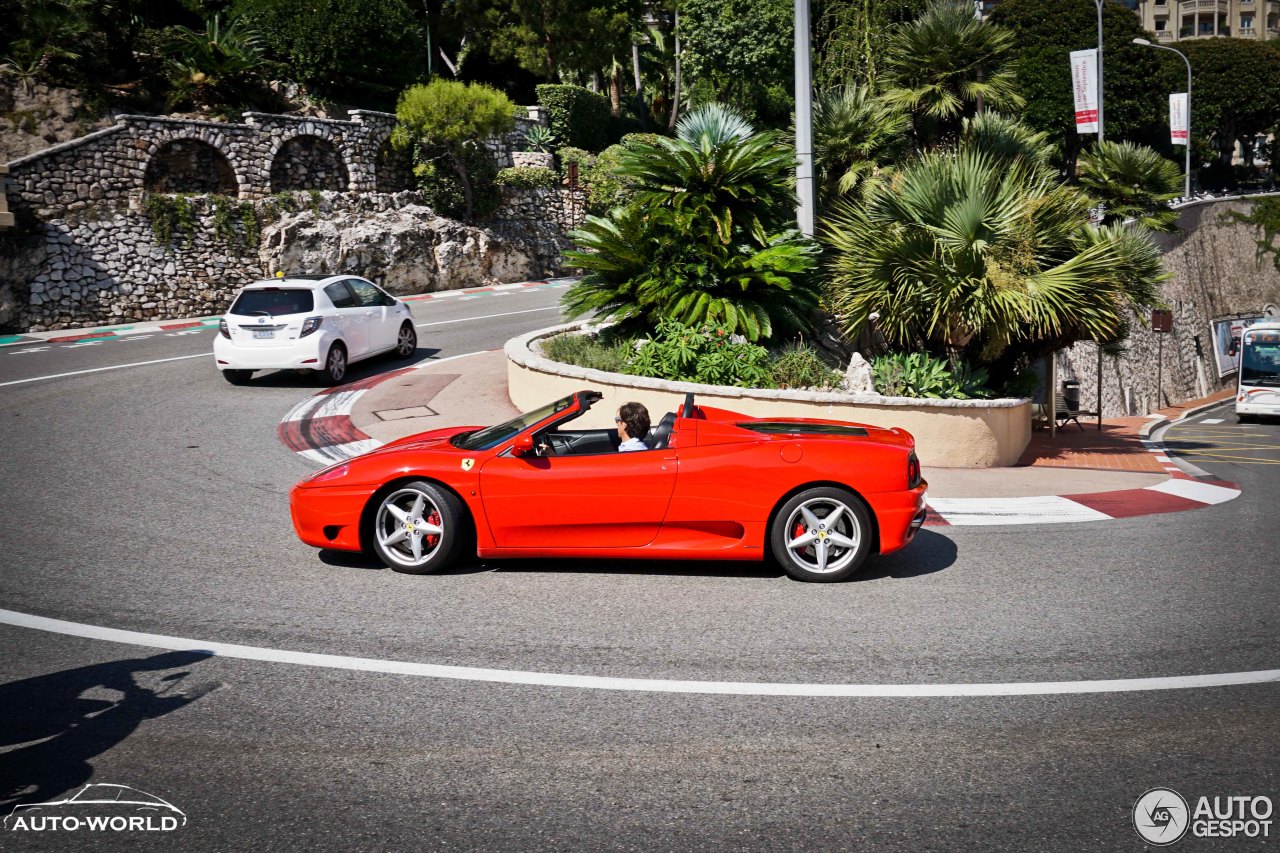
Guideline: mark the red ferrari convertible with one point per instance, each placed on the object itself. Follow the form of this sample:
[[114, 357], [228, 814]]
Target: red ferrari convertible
[[820, 496]]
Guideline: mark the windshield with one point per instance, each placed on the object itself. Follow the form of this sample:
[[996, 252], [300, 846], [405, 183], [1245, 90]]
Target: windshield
[[1260, 361], [492, 436], [273, 301]]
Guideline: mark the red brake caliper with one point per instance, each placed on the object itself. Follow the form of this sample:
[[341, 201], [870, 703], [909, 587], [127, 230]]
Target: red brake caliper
[[434, 518]]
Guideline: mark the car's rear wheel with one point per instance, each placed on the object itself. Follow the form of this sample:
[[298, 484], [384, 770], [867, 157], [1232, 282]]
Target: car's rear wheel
[[237, 377], [418, 528], [406, 341], [822, 534], [335, 366]]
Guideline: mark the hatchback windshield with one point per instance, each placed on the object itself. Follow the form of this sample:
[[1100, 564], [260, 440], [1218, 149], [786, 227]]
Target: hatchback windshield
[[274, 302], [492, 436]]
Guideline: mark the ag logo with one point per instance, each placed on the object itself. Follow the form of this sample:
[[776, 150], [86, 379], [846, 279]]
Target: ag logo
[[1160, 816], [468, 464]]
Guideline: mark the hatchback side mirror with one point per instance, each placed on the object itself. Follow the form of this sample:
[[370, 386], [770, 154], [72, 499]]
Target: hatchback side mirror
[[523, 444]]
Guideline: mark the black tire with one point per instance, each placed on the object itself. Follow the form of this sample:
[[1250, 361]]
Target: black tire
[[1244, 419], [409, 512], [237, 377], [335, 366], [830, 561], [406, 341]]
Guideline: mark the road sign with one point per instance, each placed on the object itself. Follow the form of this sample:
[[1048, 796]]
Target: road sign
[[1161, 321]]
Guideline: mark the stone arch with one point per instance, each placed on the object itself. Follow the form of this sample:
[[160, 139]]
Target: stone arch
[[307, 162], [188, 165], [393, 169]]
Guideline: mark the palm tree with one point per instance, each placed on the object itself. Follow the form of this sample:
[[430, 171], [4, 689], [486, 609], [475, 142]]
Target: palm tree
[[1006, 139], [215, 66], [1132, 182], [941, 65], [706, 237], [970, 253], [856, 139]]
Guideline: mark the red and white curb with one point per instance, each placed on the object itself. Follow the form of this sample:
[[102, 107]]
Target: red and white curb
[[1179, 493], [320, 427]]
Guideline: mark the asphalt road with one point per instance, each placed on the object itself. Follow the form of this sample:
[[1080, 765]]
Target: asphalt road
[[153, 498]]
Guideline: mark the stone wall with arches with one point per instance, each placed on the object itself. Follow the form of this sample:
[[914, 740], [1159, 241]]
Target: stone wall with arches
[[263, 154]]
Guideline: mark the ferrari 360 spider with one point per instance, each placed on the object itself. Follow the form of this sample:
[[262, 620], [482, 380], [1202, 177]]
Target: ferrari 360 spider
[[819, 496]]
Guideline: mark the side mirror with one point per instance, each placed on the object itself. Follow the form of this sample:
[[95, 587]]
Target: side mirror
[[523, 444]]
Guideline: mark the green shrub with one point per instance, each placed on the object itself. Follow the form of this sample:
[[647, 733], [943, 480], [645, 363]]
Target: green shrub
[[800, 366], [606, 189], [590, 351], [527, 177], [919, 374], [577, 117], [708, 354], [439, 181], [584, 159]]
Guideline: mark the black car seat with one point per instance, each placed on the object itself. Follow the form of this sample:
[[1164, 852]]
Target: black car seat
[[661, 434]]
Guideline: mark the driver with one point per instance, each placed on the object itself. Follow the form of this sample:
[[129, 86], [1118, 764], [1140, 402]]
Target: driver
[[633, 423]]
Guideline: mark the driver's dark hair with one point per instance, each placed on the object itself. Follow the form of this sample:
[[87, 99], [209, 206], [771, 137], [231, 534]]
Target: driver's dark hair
[[636, 417]]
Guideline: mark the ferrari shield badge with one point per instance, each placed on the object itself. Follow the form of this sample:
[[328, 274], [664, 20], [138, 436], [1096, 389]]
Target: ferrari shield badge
[[467, 464]]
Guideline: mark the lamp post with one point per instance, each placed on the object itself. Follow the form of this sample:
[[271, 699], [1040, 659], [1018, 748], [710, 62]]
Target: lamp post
[[1101, 134], [804, 123], [1186, 193]]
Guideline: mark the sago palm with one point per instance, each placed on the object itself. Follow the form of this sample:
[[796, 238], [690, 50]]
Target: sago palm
[[1132, 182], [856, 139], [705, 238], [938, 66], [966, 252]]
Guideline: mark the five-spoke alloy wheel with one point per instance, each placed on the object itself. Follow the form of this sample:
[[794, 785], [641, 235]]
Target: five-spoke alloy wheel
[[821, 534], [406, 341], [417, 528]]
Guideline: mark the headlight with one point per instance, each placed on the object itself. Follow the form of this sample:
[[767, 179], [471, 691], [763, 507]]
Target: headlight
[[333, 472], [309, 325], [223, 330]]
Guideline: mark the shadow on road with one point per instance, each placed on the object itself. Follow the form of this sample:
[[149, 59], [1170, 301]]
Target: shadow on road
[[929, 552], [62, 729], [355, 372]]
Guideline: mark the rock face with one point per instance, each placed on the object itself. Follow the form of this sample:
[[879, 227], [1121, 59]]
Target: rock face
[[410, 249], [37, 116], [857, 377]]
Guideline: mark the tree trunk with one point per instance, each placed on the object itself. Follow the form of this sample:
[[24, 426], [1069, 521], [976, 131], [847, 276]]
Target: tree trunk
[[615, 91], [460, 166], [675, 102], [635, 70]]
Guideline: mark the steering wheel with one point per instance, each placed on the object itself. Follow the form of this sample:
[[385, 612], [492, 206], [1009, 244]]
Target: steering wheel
[[687, 409]]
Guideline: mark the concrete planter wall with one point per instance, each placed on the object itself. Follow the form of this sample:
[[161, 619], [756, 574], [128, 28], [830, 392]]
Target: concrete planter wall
[[948, 433]]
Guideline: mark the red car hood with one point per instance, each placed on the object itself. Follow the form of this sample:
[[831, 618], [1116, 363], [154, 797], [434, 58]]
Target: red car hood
[[433, 439]]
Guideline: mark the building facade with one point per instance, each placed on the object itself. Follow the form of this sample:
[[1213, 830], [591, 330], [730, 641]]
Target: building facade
[[1177, 20]]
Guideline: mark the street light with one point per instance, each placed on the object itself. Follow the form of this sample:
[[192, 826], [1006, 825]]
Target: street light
[[1101, 134], [1186, 194], [805, 213]]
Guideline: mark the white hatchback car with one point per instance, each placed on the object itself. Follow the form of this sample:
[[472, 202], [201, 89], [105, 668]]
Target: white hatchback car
[[311, 322]]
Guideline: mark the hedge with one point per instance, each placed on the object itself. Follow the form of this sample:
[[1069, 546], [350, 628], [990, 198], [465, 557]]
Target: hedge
[[528, 177], [578, 117]]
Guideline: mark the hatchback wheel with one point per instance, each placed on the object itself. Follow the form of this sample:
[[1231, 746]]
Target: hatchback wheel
[[406, 341], [335, 366], [821, 534], [237, 377], [418, 528]]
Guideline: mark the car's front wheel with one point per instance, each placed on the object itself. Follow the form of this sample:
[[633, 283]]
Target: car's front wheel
[[406, 341], [335, 366], [418, 528], [821, 534]]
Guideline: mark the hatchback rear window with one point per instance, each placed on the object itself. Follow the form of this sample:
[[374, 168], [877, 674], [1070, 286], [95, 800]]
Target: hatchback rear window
[[274, 302]]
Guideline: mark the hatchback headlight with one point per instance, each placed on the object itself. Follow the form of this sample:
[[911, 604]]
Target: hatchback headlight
[[309, 325], [223, 330]]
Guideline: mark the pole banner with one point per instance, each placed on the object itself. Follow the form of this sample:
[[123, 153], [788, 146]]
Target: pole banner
[[1084, 81], [1178, 125]]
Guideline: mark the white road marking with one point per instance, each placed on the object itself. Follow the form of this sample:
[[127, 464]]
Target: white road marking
[[136, 337], [508, 287], [487, 316], [1048, 509], [1195, 490], [183, 332], [337, 403], [1212, 420], [651, 685], [100, 369], [27, 350], [82, 344]]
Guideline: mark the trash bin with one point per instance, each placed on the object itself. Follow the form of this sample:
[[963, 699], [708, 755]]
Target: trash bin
[[1071, 395]]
